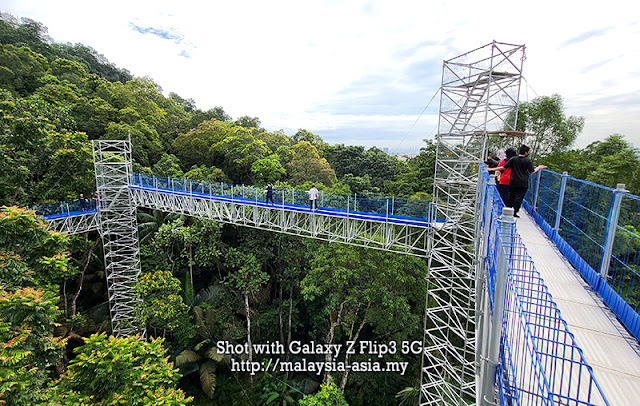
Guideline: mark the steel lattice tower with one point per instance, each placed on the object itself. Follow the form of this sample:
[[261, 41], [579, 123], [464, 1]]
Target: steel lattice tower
[[479, 98], [119, 231]]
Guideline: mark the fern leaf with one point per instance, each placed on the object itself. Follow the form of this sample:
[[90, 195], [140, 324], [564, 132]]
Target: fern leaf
[[213, 354], [208, 377], [187, 356]]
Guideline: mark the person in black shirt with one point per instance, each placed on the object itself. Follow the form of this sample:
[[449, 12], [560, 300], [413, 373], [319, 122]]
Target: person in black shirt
[[84, 204], [521, 166], [269, 194], [491, 162]]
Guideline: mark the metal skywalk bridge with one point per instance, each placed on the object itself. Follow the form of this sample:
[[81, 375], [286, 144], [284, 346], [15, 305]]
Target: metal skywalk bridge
[[390, 224], [493, 332]]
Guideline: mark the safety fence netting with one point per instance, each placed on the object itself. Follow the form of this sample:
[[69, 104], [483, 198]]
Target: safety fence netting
[[290, 197], [66, 208], [539, 361], [597, 228]]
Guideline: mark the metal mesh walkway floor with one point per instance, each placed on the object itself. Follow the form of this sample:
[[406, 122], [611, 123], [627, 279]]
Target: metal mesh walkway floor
[[612, 352]]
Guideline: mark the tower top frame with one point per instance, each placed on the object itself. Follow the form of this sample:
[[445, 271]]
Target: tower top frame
[[480, 90]]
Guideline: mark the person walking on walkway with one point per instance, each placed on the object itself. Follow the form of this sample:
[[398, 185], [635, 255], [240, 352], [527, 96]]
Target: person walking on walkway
[[84, 204], [269, 194], [521, 166], [313, 196]]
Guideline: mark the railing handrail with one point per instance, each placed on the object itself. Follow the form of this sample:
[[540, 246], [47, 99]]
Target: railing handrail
[[592, 234], [534, 350], [390, 206]]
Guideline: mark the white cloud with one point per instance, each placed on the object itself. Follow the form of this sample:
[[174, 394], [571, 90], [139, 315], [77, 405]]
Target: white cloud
[[290, 63]]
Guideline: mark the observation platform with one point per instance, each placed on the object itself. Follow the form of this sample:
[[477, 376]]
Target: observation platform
[[74, 221], [612, 353]]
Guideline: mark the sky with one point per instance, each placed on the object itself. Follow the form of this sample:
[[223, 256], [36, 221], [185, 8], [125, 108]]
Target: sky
[[359, 72]]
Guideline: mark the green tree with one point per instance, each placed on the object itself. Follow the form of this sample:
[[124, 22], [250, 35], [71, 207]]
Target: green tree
[[329, 395], [39, 158], [150, 223], [247, 278], [69, 72], [147, 147], [308, 136], [607, 163], [93, 115], [360, 162], [206, 174], [199, 116], [275, 139], [545, 118], [188, 105], [169, 240], [162, 307], [613, 161], [21, 69], [196, 146], [415, 179], [25, 32], [168, 166], [306, 165], [109, 371], [248, 122], [30, 254], [239, 151], [28, 349], [92, 61], [360, 286], [358, 184], [189, 250], [268, 169]]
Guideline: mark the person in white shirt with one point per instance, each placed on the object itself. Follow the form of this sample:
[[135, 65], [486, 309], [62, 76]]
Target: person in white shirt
[[313, 196]]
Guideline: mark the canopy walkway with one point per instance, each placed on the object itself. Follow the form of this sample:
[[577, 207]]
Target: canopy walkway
[[519, 314]]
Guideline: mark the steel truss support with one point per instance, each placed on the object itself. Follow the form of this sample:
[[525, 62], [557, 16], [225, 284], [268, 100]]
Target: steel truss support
[[119, 231], [405, 239], [81, 223], [479, 97]]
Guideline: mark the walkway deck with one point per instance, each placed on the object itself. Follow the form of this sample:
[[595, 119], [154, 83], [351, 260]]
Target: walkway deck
[[608, 348]]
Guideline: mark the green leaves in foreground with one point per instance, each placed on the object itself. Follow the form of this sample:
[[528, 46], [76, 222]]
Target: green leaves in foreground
[[110, 371], [27, 346]]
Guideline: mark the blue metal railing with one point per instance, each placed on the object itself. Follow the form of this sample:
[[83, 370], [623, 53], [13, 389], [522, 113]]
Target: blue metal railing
[[539, 361], [385, 207], [64, 209], [597, 228]]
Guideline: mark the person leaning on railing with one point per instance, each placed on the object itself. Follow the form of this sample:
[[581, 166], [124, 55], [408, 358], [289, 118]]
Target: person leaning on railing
[[505, 175], [521, 166]]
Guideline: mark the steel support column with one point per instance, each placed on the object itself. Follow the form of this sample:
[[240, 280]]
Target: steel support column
[[119, 231], [479, 98]]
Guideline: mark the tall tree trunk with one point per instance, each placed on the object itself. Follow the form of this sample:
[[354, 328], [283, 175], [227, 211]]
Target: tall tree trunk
[[191, 265], [81, 278], [290, 316], [246, 307], [64, 296], [281, 321], [281, 274], [334, 321], [15, 194], [347, 358]]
